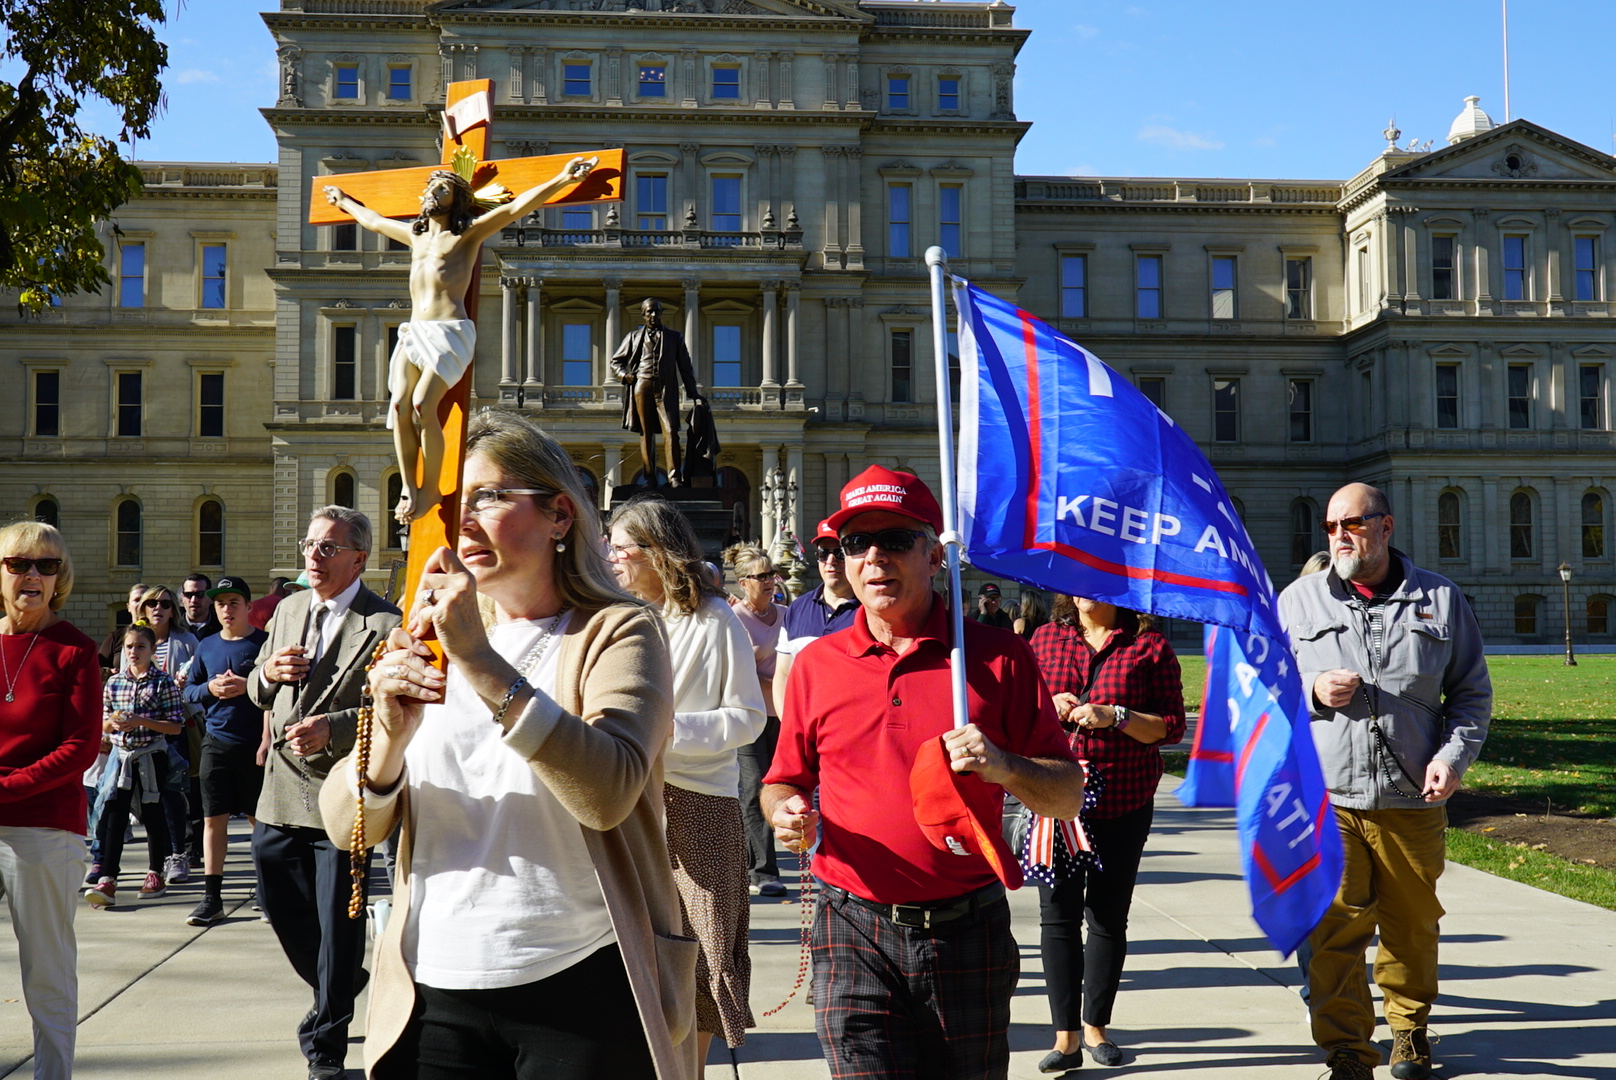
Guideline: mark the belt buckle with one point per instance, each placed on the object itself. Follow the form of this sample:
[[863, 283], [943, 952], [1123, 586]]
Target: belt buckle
[[925, 916]]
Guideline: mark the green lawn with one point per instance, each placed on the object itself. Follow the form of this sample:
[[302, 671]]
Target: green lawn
[[1540, 869]]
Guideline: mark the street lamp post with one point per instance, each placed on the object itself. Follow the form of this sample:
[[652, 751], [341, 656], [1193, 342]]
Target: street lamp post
[[1565, 579]]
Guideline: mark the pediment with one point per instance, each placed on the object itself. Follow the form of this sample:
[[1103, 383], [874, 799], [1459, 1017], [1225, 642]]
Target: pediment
[[1520, 352], [1449, 350], [818, 9], [1592, 352], [1519, 150]]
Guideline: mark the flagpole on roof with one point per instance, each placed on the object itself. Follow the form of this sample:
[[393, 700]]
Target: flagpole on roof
[[936, 264]]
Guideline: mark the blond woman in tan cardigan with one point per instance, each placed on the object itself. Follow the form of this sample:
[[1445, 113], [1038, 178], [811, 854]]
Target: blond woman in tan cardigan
[[536, 925]]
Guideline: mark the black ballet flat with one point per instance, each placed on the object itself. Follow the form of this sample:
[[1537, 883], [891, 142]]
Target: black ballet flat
[[1104, 1052], [1057, 1062]]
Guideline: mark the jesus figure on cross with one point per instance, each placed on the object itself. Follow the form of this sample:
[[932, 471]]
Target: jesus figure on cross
[[435, 347]]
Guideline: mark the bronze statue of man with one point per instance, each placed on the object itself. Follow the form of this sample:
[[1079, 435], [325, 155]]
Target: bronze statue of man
[[651, 363]]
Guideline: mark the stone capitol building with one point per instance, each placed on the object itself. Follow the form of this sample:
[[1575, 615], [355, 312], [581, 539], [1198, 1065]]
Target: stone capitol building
[[1440, 324]]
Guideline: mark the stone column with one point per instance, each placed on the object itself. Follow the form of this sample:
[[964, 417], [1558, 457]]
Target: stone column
[[1397, 388], [794, 477], [832, 99], [1554, 253], [541, 68], [690, 185], [762, 90], [614, 76], [1410, 248], [611, 471], [1486, 385], [516, 91], [793, 312], [855, 338], [770, 527], [533, 389], [1572, 380], [687, 79], [614, 325], [764, 192], [1495, 528], [1567, 541], [830, 242], [770, 334], [850, 71], [692, 287], [788, 88], [787, 166], [509, 356], [835, 362], [852, 188], [1484, 279]]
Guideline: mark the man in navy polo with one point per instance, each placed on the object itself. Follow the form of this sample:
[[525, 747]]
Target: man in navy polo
[[824, 609]]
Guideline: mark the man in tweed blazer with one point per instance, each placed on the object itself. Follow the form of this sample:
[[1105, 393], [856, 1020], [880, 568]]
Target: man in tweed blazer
[[308, 680]]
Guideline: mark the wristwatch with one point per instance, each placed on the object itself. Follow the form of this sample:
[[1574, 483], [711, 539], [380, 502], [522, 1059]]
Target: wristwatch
[[1119, 717]]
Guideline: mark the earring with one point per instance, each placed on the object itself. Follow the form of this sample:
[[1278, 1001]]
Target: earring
[[561, 545]]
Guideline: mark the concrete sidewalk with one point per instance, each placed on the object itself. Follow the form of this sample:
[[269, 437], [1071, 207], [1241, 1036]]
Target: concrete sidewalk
[[1529, 983]]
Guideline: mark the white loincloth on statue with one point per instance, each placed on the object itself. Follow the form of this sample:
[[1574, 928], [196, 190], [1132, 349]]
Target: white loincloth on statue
[[438, 347]]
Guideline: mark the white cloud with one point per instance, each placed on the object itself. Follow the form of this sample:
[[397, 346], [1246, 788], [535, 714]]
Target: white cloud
[[1136, 12], [1174, 139], [192, 75], [1085, 31], [1081, 170]]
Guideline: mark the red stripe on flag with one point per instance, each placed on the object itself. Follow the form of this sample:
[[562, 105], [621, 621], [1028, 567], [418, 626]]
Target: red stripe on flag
[[1275, 882], [1035, 434], [1251, 744], [1225, 756], [1124, 570]]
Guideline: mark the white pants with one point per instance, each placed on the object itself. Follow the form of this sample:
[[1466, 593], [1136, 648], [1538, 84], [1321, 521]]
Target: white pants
[[39, 874]]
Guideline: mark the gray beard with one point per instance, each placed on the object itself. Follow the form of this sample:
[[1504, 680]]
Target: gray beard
[[1350, 566]]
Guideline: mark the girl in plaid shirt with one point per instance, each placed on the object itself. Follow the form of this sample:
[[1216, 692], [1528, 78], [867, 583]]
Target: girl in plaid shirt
[[140, 708]]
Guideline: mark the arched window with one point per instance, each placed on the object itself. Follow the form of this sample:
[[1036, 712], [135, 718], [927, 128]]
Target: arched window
[[1520, 526], [210, 533], [127, 518], [1593, 525], [1304, 531], [1526, 615], [342, 490], [48, 512], [395, 492], [1449, 531], [1598, 611], [1238, 507], [591, 485]]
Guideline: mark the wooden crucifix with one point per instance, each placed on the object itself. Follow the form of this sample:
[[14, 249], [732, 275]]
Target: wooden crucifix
[[454, 210]]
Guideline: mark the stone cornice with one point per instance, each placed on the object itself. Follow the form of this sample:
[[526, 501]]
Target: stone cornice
[[1106, 206], [1404, 185], [951, 126], [600, 114]]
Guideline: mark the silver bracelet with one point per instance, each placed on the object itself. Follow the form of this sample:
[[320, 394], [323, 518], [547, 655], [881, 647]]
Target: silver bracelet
[[1119, 717], [510, 696]]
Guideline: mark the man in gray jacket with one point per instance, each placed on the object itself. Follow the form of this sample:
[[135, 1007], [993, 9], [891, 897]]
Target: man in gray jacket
[[1400, 705]]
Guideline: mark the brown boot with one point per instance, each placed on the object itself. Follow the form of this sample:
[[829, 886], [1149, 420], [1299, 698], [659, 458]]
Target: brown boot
[[1411, 1054], [1346, 1065]]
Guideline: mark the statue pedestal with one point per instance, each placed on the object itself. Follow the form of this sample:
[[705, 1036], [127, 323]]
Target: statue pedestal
[[701, 506]]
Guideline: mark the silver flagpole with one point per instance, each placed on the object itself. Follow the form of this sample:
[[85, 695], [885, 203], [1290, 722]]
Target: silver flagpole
[[937, 262]]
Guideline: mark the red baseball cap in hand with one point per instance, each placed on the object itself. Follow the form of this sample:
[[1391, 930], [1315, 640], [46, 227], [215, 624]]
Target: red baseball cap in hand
[[960, 813], [881, 488]]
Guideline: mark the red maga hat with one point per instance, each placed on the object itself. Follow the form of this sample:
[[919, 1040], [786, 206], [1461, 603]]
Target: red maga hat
[[825, 532], [880, 488], [960, 813]]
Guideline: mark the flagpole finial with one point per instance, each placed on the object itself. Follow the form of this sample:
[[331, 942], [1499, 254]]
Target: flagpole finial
[[936, 256]]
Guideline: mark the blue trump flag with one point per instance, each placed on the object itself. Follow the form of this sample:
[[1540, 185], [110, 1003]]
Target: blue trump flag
[[1070, 479]]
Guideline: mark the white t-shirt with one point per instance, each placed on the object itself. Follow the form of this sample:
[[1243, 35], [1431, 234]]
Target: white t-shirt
[[502, 889], [717, 699]]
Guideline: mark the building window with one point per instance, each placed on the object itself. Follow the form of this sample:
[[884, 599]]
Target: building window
[[47, 403], [1515, 283], [398, 84], [726, 83], [577, 354], [1366, 386], [48, 512], [347, 82], [1447, 395], [951, 343], [1585, 266], [1526, 615], [1154, 387], [726, 204], [127, 523], [213, 275], [1301, 397], [1520, 526], [1520, 396], [950, 213], [1363, 279], [653, 81], [343, 490], [129, 404], [1589, 397], [210, 533], [1593, 525], [345, 237], [395, 244], [1148, 286], [392, 347], [132, 275], [210, 405], [651, 201], [395, 492], [1223, 286], [1449, 531], [1442, 268], [1304, 531], [575, 79], [726, 355], [898, 93], [1074, 286], [344, 363], [578, 221], [1225, 410], [1298, 288], [948, 93], [1598, 612], [903, 386], [898, 219]]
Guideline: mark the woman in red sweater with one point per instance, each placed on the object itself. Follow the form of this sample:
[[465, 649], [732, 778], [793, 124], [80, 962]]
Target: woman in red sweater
[[50, 732]]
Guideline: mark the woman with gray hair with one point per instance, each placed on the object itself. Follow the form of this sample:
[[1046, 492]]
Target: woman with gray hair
[[762, 619], [535, 928], [718, 708], [50, 733]]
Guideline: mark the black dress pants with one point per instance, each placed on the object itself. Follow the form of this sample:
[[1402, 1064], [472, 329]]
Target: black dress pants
[[755, 761], [303, 885], [115, 821], [1089, 974]]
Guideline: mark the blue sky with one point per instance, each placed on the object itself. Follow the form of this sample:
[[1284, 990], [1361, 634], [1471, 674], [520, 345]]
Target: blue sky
[[1256, 88]]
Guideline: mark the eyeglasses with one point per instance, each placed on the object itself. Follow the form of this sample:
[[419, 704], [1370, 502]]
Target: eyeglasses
[[325, 548], [193, 595], [160, 603], [1352, 524], [893, 541], [487, 500], [46, 567], [826, 554], [619, 552], [770, 576]]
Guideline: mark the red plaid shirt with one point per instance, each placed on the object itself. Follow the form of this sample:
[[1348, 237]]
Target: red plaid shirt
[[1138, 673]]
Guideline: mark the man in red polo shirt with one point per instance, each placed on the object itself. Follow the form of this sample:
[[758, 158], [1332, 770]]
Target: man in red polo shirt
[[914, 964]]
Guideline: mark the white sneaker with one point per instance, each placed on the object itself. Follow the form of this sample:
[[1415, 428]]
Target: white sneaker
[[176, 870]]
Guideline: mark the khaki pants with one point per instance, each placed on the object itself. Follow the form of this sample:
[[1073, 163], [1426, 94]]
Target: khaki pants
[[1392, 859], [39, 875]]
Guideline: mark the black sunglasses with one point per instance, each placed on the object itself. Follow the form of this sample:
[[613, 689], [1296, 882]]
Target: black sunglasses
[[162, 602], [1351, 524], [47, 567], [894, 541], [193, 595], [828, 553]]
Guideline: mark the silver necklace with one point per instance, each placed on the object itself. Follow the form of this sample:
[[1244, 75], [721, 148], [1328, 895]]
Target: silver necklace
[[11, 684], [531, 658]]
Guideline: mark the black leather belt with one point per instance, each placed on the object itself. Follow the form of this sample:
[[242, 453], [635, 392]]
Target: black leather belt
[[925, 916]]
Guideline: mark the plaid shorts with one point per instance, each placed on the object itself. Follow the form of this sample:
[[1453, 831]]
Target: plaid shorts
[[904, 1003]]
